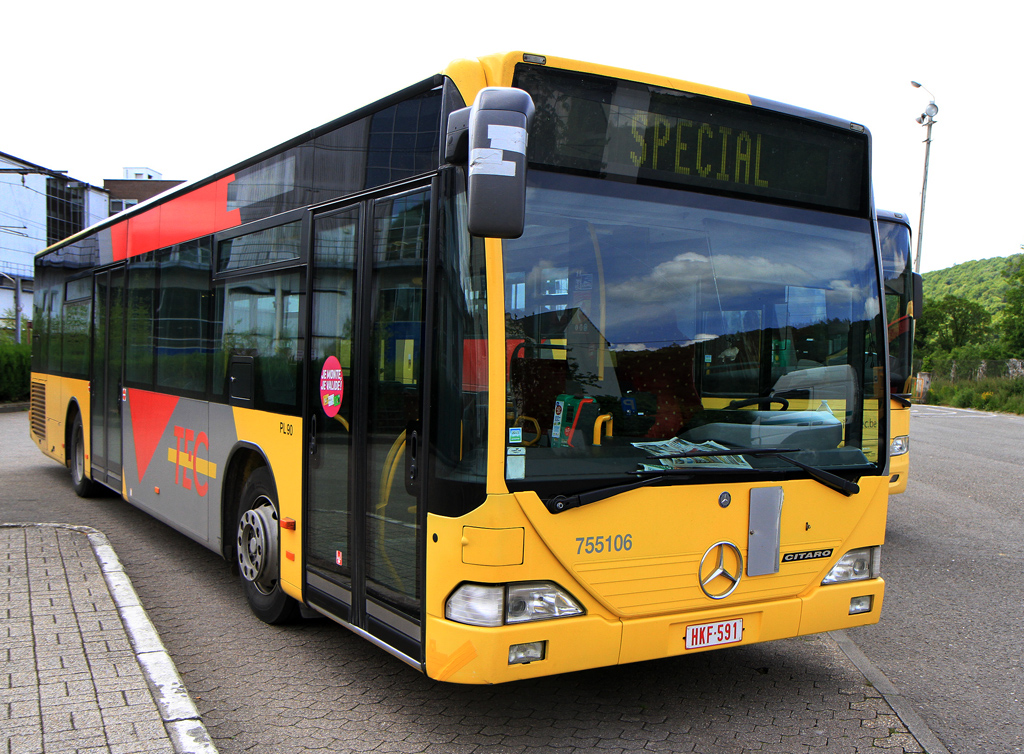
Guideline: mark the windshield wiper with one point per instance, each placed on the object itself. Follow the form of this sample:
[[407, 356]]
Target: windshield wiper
[[827, 478], [561, 503]]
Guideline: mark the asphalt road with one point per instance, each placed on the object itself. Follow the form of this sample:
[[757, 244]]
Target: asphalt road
[[317, 687], [953, 623]]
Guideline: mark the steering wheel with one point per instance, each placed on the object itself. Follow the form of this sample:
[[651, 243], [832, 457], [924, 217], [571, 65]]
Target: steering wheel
[[761, 400]]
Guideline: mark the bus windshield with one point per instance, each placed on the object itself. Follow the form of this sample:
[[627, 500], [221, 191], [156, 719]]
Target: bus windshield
[[644, 322]]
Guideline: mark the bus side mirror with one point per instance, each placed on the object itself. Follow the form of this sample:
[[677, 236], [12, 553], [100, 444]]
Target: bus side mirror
[[492, 135], [918, 299]]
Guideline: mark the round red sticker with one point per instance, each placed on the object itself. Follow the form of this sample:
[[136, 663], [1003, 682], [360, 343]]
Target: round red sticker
[[332, 386]]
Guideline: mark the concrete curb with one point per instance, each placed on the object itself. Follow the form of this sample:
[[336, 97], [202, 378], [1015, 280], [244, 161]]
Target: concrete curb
[[181, 719], [10, 408], [915, 723]]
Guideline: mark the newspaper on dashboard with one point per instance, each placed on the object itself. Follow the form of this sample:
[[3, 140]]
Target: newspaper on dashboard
[[676, 446]]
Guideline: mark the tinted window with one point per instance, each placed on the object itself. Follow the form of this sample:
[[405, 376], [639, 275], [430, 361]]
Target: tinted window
[[54, 324], [258, 317], [459, 440], [77, 314], [140, 339], [397, 142], [277, 244], [182, 316], [47, 287]]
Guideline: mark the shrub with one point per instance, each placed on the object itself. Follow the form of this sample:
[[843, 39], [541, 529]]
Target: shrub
[[965, 397], [15, 371], [1004, 394]]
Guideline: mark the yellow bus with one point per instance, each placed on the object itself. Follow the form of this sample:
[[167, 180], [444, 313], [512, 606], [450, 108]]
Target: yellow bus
[[534, 366], [903, 296]]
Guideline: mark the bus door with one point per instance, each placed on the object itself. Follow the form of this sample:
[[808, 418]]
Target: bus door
[[363, 532], [106, 382]]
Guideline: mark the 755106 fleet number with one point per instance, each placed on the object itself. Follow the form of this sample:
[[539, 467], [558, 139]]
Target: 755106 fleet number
[[609, 543]]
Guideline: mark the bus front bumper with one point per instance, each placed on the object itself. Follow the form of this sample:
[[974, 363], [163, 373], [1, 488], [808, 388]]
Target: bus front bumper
[[468, 654]]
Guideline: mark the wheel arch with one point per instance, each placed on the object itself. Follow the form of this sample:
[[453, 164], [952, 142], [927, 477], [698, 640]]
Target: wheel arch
[[73, 410], [244, 459]]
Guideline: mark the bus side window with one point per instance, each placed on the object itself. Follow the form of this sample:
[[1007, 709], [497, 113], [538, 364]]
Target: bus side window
[[260, 321]]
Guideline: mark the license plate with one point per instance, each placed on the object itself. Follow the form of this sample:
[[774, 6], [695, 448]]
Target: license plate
[[714, 634]]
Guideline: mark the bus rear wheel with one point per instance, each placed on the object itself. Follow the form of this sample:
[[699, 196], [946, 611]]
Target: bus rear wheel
[[257, 550], [84, 486]]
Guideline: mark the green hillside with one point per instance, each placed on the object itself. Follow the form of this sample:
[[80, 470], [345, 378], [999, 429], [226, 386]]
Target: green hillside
[[981, 281]]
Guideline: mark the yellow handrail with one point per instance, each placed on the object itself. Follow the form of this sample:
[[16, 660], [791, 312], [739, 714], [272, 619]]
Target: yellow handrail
[[391, 463], [604, 420], [536, 428]]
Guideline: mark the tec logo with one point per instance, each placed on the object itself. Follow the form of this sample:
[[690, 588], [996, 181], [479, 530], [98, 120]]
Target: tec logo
[[185, 457]]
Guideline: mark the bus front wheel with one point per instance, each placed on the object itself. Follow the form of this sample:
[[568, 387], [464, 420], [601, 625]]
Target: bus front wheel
[[257, 550], [84, 486]]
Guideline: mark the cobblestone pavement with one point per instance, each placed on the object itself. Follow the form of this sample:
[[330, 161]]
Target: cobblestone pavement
[[795, 696], [314, 686], [81, 669]]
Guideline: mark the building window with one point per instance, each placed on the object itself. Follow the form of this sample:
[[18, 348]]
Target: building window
[[119, 205], [65, 209]]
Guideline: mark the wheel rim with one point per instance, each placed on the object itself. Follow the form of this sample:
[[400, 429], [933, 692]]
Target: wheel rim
[[257, 545]]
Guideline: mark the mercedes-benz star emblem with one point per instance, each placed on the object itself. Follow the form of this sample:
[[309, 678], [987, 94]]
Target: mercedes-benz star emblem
[[721, 569]]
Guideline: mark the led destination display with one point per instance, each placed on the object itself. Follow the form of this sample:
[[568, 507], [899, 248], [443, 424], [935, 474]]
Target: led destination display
[[642, 133]]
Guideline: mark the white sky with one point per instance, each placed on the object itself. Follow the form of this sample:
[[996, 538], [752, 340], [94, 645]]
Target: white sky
[[190, 87]]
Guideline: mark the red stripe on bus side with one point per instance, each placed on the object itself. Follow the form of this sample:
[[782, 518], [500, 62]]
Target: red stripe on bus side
[[119, 241], [198, 213]]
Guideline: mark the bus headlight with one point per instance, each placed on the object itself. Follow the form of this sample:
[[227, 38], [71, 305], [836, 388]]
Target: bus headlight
[[539, 600], [899, 445], [476, 605], [856, 565], [498, 604]]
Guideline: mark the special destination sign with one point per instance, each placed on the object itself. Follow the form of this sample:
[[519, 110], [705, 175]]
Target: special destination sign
[[631, 131]]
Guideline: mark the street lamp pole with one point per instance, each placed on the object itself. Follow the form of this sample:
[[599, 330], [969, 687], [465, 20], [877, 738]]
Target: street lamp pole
[[927, 119]]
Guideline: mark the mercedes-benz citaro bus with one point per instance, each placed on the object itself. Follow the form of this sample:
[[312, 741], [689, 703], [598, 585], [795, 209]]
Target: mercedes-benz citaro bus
[[534, 366], [903, 297]]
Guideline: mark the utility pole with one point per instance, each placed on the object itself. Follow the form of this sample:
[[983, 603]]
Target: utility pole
[[927, 119]]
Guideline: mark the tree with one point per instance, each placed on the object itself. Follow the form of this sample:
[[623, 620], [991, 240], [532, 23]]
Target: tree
[[1013, 313], [954, 321], [7, 325]]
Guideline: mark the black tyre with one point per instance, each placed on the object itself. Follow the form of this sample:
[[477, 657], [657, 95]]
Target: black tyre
[[83, 485], [257, 550]]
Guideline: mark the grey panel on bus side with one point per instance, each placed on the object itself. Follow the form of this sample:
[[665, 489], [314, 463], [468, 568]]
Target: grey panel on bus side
[[763, 542], [175, 472], [223, 439]]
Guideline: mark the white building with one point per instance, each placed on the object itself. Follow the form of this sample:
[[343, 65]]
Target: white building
[[142, 174], [38, 207]]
